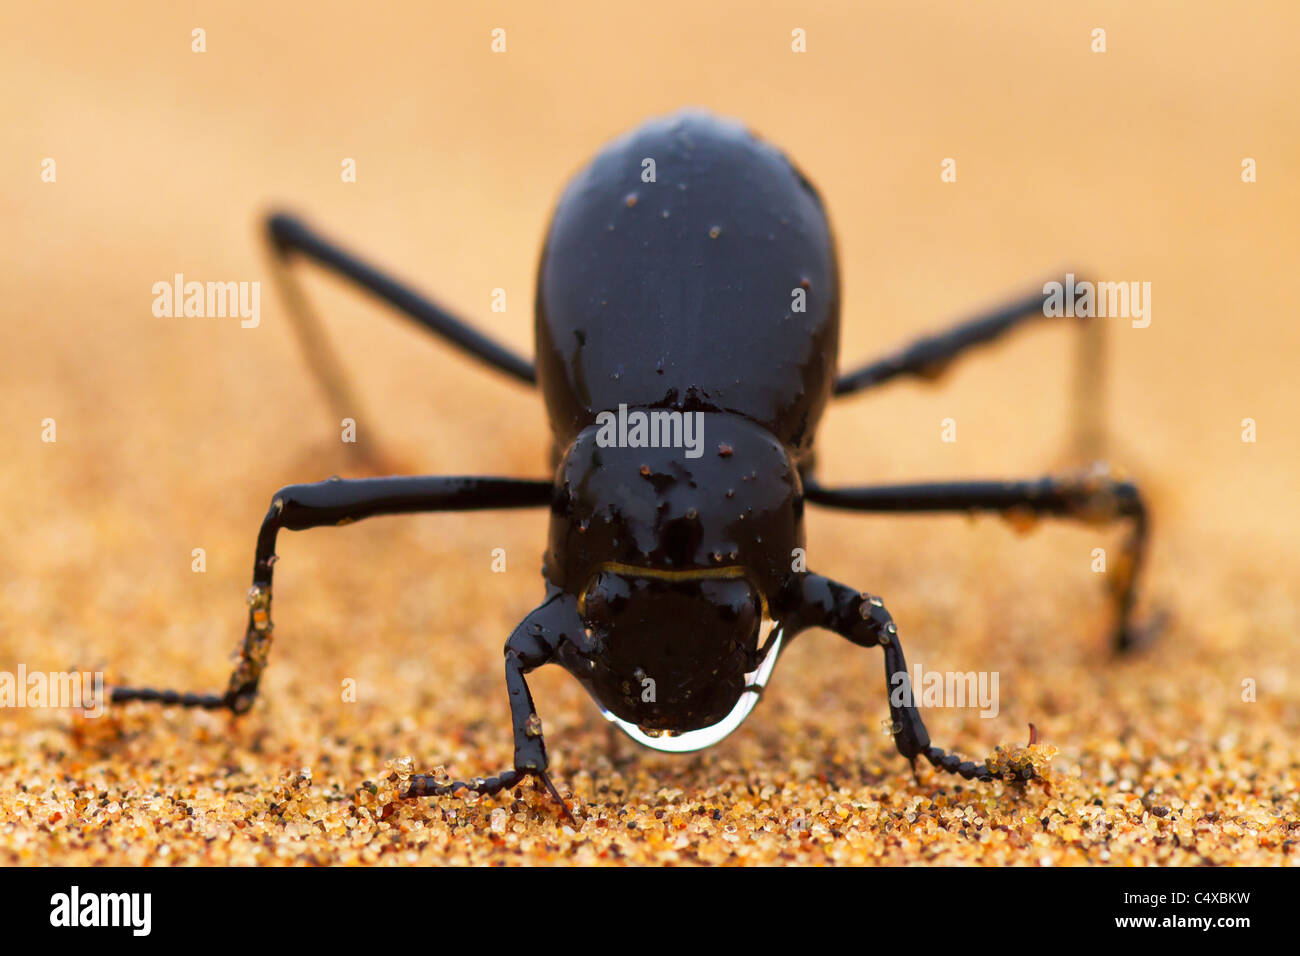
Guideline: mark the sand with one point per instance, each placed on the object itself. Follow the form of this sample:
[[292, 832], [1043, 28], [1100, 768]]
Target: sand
[[172, 434]]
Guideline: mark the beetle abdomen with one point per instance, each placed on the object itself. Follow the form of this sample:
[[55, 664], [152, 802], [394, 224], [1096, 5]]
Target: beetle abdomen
[[689, 265]]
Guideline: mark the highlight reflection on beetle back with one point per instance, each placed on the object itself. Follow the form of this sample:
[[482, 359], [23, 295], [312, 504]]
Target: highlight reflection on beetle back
[[670, 653]]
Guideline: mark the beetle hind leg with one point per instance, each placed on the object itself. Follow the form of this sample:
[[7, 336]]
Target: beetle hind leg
[[289, 238], [928, 357], [1095, 496]]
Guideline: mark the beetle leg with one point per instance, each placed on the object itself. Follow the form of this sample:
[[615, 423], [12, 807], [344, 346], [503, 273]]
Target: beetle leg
[[289, 236], [1094, 496], [534, 643], [928, 357], [862, 619], [334, 502]]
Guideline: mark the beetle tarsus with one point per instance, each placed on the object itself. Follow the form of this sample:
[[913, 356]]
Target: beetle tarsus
[[951, 763], [970, 770], [122, 695], [425, 785]]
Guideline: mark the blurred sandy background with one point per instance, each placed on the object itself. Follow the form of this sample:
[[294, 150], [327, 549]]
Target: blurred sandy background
[[172, 433]]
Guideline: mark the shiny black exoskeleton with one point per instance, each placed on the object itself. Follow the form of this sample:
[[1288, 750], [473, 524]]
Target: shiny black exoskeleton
[[688, 309]]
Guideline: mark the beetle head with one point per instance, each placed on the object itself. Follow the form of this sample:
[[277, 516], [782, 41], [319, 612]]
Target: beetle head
[[673, 560], [670, 653]]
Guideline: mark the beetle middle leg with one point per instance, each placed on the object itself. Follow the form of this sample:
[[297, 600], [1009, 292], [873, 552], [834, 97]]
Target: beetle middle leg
[[334, 502], [930, 356], [862, 619], [1091, 495]]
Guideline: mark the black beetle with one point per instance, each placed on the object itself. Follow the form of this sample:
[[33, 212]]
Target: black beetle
[[687, 331]]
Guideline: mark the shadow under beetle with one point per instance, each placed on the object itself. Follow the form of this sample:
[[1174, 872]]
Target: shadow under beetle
[[706, 293]]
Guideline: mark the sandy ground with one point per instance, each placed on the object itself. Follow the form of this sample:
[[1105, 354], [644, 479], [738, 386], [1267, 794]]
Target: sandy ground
[[172, 433]]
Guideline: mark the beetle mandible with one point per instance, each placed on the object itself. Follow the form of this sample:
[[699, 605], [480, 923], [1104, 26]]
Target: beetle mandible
[[687, 334]]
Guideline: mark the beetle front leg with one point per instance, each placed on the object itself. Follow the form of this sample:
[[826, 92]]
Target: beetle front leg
[[862, 619], [534, 643]]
